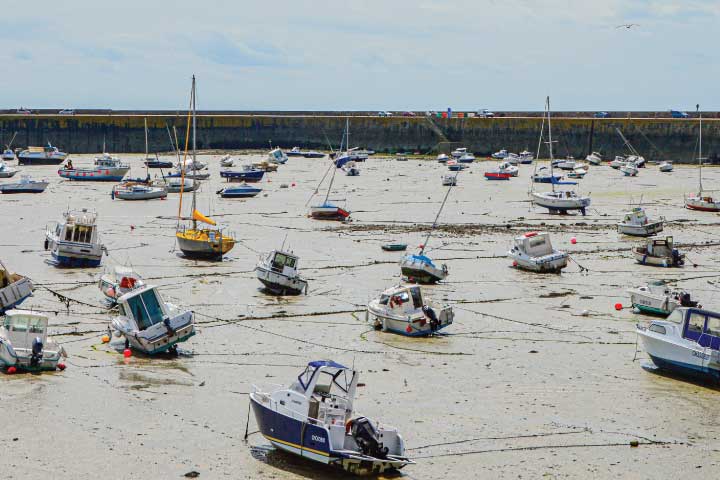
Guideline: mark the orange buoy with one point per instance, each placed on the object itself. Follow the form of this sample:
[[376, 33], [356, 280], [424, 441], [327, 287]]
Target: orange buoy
[[105, 338]]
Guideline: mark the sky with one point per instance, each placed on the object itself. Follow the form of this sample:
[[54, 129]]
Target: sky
[[361, 55]]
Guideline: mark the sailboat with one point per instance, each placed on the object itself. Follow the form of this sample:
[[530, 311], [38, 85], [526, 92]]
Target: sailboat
[[347, 156], [194, 241], [698, 201], [328, 210], [557, 201], [8, 154]]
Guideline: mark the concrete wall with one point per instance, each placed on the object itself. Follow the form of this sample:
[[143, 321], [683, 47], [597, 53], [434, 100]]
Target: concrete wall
[[675, 139]]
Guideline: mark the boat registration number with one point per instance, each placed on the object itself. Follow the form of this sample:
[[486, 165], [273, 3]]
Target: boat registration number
[[703, 356], [318, 438]]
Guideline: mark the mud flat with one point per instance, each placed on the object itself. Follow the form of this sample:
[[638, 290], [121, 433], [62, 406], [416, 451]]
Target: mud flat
[[523, 384]]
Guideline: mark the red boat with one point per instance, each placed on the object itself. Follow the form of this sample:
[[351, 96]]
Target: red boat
[[329, 211], [497, 176]]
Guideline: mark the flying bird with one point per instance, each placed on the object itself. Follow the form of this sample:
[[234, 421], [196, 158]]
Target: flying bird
[[628, 25]]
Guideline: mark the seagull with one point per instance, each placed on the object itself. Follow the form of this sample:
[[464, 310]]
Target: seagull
[[628, 25]]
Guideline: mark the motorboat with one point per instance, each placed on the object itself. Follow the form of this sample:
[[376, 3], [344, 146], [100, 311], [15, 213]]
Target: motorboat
[[594, 158], [25, 185], [117, 281], [544, 175], [639, 161], [629, 170], [466, 158], [513, 159], [278, 272], [507, 167], [150, 324], [313, 154], [14, 289], [8, 155], [74, 241], [351, 169], [636, 223], [192, 174], [47, 155], [138, 191], [497, 175], [618, 162], [175, 185], [157, 163], [265, 166], [191, 165], [458, 152], [419, 268], [227, 161], [566, 164], [246, 174], [403, 310], [295, 152], [500, 155], [577, 172], [5, 171], [686, 342], [449, 180], [25, 344], [526, 157], [241, 191], [656, 298], [454, 166], [665, 166], [534, 252], [561, 201], [314, 418], [659, 253], [328, 211], [105, 169], [276, 155], [442, 158]]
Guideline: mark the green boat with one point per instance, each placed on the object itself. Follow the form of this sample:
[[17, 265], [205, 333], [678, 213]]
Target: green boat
[[395, 247]]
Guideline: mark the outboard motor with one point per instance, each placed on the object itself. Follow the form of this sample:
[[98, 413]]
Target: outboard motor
[[685, 300], [37, 352], [676, 257], [365, 435], [430, 314], [170, 330]]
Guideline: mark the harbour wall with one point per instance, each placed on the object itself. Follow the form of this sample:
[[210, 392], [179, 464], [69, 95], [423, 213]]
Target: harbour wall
[[654, 138]]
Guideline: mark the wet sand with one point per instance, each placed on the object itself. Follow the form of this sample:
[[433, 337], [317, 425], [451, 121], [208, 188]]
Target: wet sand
[[522, 385]]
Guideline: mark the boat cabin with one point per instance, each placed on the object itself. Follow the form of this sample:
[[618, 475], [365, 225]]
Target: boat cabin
[[283, 262], [636, 216], [660, 247], [329, 389], [23, 326], [78, 227], [401, 300], [276, 155], [699, 326], [535, 244], [144, 306]]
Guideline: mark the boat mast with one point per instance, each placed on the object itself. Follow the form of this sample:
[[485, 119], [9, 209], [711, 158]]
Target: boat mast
[[332, 178], [194, 154], [347, 135], [147, 167], [697, 109], [442, 205], [550, 142]]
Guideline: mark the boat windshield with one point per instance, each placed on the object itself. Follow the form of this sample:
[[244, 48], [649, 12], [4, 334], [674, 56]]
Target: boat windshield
[[282, 260], [676, 317], [25, 324], [146, 309], [341, 378]]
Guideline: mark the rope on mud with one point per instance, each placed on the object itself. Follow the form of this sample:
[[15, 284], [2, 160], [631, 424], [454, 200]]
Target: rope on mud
[[512, 437], [65, 299]]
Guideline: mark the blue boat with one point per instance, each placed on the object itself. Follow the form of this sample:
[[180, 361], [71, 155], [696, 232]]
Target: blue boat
[[313, 418], [105, 169], [247, 174], [242, 191], [545, 176]]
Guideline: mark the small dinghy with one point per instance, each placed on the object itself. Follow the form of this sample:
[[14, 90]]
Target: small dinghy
[[637, 223], [618, 162], [157, 163], [8, 155], [656, 298], [458, 152], [513, 159], [534, 252], [138, 191], [247, 174], [449, 180], [5, 171], [25, 345], [313, 154], [328, 211], [174, 185], [666, 166], [118, 281], [567, 164], [442, 158], [74, 241], [497, 175], [659, 253], [394, 247], [500, 155], [227, 161], [25, 185], [351, 169], [507, 167], [594, 158], [526, 157], [402, 310], [686, 342], [420, 269], [14, 289], [544, 175], [314, 419], [241, 191], [278, 272], [629, 170], [454, 166], [578, 172], [149, 324], [467, 158], [105, 169]]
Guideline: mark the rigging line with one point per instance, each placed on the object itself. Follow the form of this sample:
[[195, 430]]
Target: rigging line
[[187, 140]]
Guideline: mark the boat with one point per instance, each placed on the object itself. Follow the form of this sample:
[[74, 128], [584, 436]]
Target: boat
[[149, 324], [295, 152], [241, 191], [278, 272], [454, 166], [314, 418], [665, 166], [567, 164], [47, 155], [191, 165], [276, 155], [174, 184], [265, 166], [577, 172], [594, 158], [394, 247], [25, 345], [466, 158], [403, 310], [194, 241], [227, 161], [313, 154], [449, 180], [534, 251], [351, 169], [105, 169], [25, 185], [14, 289], [659, 253], [513, 159], [507, 167], [686, 342], [401, 157], [618, 162], [656, 298], [458, 152], [9, 154], [5, 171], [138, 191], [543, 175], [442, 158], [639, 161], [157, 163], [500, 155], [247, 174], [557, 201], [629, 170], [636, 223], [497, 175], [704, 202], [117, 281], [74, 241], [526, 157], [634, 160], [328, 210]]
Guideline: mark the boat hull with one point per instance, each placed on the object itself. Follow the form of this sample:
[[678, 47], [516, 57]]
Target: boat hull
[[280, 284], [667, 262], [329, 213], [30, 161], [95, 175], [561, 205], [199, 245], [249, 177], [420, 272], [74, 255], [497, 176], [681, 359], [646, 230], [547, 264], [15, 293], [418, 326], [10, 189]]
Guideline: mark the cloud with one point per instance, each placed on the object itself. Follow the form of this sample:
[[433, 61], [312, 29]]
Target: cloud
[[223, 50]]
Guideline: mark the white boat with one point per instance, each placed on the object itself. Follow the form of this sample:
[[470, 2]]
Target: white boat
[[656, 298], [526, 157], [118, 281], [276, 155], [191, 166], [442, 158], [686, 342], [25, 345], [578, 172], [14, 289], [278, 271], [500, 155], [567, 164], [175, 184], [458, 152], [419, 268], [8, 155], [618, 162], [149, 324], [702, 200], [634, 159], [639, 161], [636, 222], [507, 167], [659, 253], [629, 170], [466, 158], [351, 169], [666, 166], [449, 180], [561, 201], [25, 185], [403, 310], [227, 161], [594, 158], [48, 155], [138, 191], [5, 171], [534, 251], [314, 418], [74, 241], [513, 158]]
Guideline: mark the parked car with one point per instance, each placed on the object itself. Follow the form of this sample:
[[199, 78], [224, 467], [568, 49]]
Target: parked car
[[678, 114], [23, 110], [385, 114], [602, 115], [67, 111], [408, 114], [485, 113]]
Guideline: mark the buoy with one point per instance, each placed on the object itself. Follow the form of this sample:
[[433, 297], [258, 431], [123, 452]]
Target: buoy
[[421, 246], [127, 353], [132, 227], [514, 263], [105, 338], [573, 240], [408, 329], [618, 306], [11, 370], [61, 366], [293, 184]]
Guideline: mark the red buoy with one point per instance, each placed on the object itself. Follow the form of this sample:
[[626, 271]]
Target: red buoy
[[618, 306], [292, 184], [127, 353], [514, 263], [408, 329], [11, 370], [61, 366], [573, 240]]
